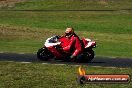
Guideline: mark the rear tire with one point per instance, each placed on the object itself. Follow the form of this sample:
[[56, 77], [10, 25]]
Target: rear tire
[[89, 56], [86, 56], [43, 54]]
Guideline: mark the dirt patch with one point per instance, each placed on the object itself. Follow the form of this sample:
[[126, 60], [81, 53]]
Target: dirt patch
[[11, 33], [9, 3]]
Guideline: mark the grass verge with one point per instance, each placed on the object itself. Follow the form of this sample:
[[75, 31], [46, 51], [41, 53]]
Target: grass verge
[[35, 75]]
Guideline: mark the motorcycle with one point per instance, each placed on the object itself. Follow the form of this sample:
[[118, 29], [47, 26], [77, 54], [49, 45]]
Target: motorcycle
[[53, 49]]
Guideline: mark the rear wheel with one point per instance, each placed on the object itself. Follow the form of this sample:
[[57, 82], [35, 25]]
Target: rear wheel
[[44, 54], [86, 56]]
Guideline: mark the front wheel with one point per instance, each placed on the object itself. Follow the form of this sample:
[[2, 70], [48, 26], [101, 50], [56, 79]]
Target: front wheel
[[43, 54]]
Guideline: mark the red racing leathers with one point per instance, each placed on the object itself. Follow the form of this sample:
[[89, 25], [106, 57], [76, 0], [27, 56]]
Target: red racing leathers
[[72, 44]]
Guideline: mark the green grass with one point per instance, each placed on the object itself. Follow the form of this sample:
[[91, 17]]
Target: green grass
[[27, 40], [106, 22], [36, 75], [72, 5], [26, 31], [20, 46]]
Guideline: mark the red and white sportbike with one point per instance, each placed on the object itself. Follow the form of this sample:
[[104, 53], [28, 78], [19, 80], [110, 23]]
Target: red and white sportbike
[[53, 49]]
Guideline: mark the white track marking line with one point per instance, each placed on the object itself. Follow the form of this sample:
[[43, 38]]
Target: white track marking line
[[25, 62]]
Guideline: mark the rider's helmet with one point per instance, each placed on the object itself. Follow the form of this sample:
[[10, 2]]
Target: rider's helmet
[[69, 32]]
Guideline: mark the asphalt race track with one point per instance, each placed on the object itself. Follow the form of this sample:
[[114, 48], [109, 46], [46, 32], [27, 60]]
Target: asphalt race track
[[98, 61]]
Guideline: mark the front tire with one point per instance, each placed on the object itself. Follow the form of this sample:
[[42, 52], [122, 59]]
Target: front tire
[[43, 54]]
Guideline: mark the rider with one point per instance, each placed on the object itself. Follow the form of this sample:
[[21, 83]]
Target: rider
[[73, 43]]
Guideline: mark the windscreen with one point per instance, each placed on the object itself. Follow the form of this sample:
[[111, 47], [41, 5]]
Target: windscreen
[[53, 39]]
